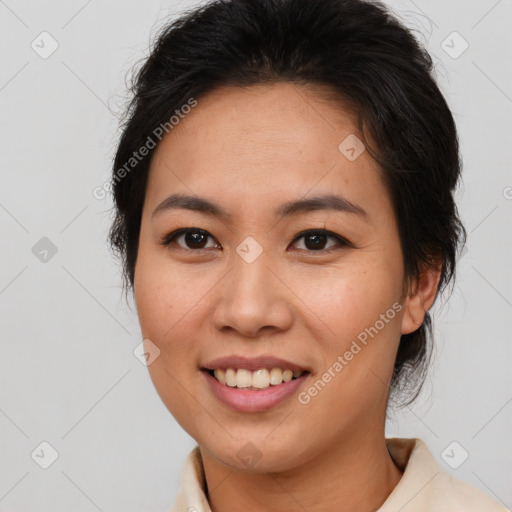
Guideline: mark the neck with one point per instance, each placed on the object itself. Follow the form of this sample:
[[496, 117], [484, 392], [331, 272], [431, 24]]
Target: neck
[[355, 475]]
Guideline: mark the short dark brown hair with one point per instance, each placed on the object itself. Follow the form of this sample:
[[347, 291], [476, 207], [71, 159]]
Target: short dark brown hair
[[371, 62]]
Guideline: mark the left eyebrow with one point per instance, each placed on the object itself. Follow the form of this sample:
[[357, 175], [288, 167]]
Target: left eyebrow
[[322, 202], [295, 207]]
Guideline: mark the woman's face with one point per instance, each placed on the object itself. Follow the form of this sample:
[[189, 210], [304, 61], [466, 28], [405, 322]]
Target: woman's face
[[249, 285]]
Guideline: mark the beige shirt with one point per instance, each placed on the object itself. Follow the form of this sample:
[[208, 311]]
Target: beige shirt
[[424, 486]]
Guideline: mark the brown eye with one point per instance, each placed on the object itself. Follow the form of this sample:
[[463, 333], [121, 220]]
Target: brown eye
[[316, 240], [189, 238]]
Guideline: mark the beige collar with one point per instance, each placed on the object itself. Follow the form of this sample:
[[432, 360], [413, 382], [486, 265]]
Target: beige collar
[[424, 486]]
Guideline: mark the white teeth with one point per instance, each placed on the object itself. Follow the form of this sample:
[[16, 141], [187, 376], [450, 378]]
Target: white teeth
[[220, 376], [230, 377], [259, 379], [243, 379], [287, 375], [276, 376]]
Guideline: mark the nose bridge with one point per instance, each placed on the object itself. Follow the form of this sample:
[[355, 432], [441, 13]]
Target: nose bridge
[[251, 278], [252, 298]]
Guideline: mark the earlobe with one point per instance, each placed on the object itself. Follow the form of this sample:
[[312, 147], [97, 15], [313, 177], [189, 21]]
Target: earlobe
[[421, 297]]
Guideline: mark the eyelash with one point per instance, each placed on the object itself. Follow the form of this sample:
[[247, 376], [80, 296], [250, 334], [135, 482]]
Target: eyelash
[[342, 242]]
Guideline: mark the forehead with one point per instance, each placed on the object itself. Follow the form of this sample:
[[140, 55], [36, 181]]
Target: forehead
[[233, 121], [263, 141]]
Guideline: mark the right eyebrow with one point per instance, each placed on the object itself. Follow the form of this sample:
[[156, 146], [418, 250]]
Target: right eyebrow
[[200, 204]]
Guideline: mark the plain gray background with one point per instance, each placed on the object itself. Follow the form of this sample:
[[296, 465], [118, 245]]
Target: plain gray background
[[68, 374]]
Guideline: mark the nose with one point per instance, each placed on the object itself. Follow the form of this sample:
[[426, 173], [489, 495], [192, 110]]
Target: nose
[[253, 299]]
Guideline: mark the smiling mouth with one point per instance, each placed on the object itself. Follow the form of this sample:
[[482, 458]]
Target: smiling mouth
[[260, 379]]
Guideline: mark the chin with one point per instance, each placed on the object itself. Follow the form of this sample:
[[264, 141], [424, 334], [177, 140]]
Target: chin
[[252, 454]]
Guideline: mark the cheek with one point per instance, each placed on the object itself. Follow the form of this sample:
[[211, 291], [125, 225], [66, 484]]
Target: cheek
[[357, 323], [162, 307], [172, 305], [358, 318], [155, 311], [164, 293], [352, 298], [161, 301]]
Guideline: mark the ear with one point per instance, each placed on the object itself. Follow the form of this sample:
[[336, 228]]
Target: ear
[[421, 296]]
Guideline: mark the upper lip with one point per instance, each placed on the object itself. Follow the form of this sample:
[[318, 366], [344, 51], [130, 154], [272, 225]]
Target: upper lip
[[252, 363]]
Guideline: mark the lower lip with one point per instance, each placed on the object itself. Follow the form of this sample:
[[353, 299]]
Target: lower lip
[[251, 400]]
